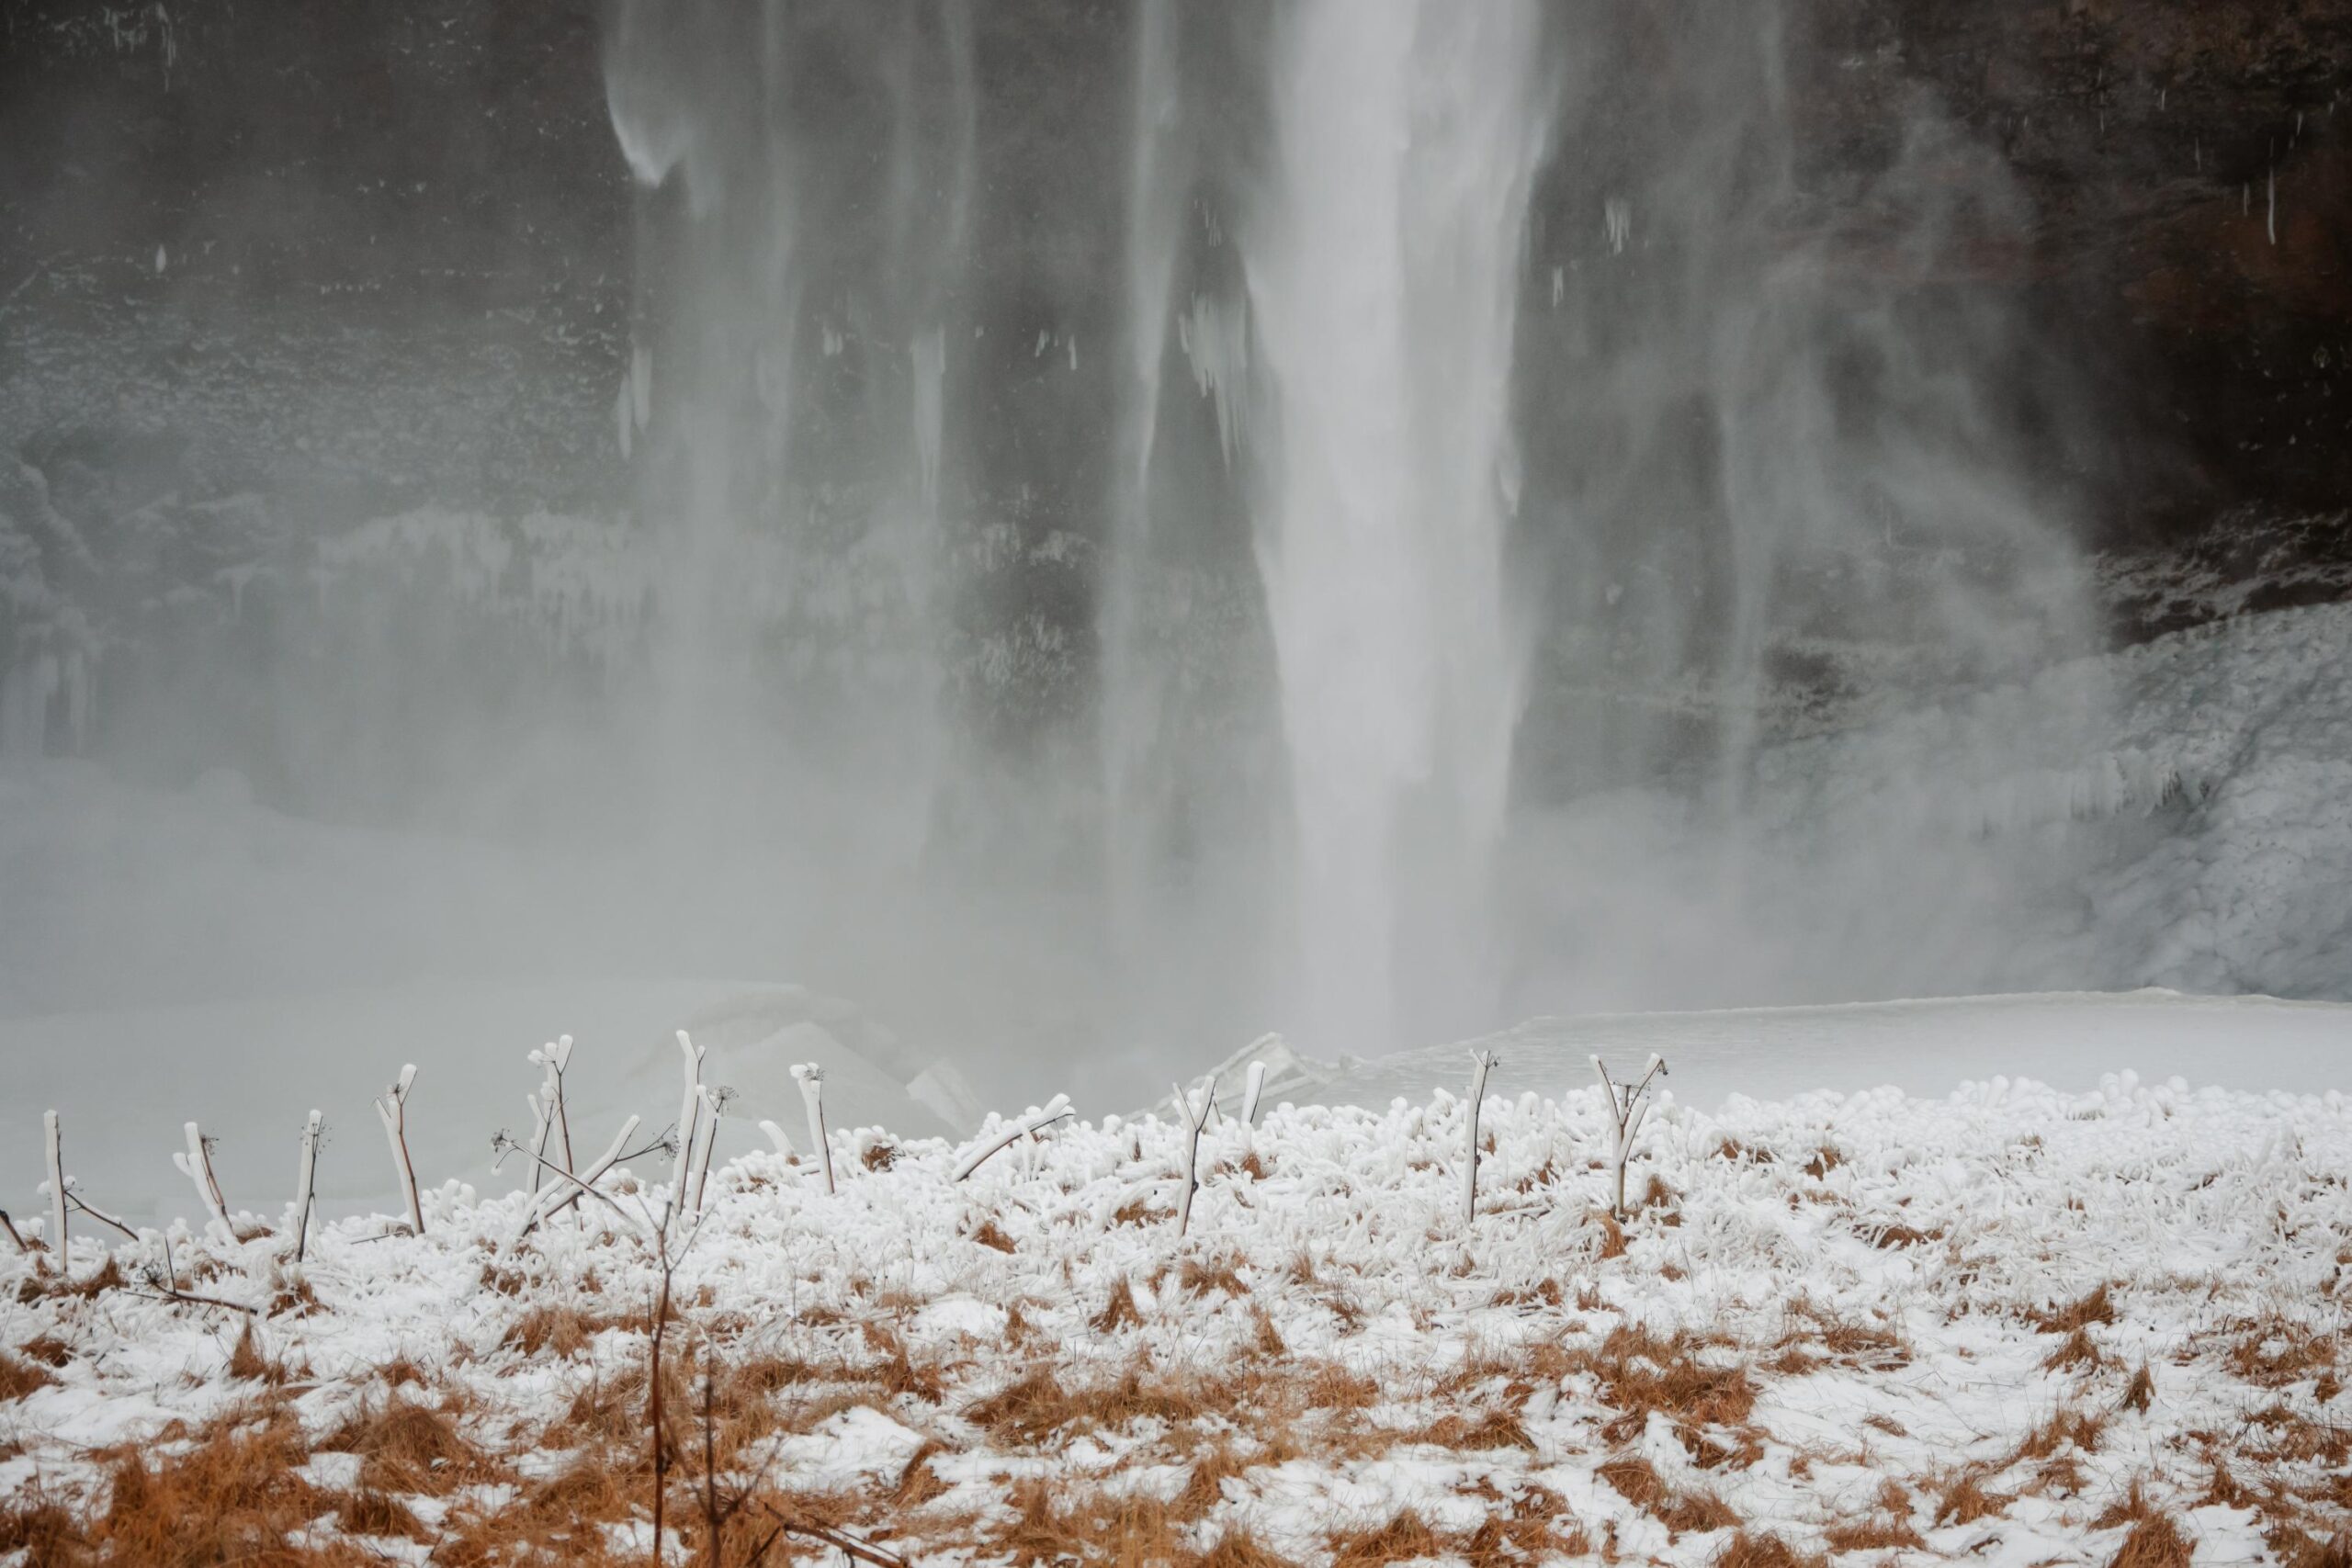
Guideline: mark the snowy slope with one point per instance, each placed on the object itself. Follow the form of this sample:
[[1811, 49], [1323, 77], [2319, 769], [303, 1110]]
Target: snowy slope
[[2013, 1324], [2068, 1039]]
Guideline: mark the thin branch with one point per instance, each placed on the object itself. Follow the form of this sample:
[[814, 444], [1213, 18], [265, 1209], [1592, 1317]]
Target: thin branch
[[97, 1213]]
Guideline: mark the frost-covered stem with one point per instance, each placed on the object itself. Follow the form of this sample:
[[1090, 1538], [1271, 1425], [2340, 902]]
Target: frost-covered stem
[[1250, 1091], [1193, 1120], [812, 1094], [550, 1205], [392, 1108], [689, 1121], [306, 1188], [558, 1060], [196, 1164], [1481, 1062], [985, 1148], [656, 1238], [776, 1137], [540, 1125], [716, 1103], [102, 1217], [1628, 1107], [56, 1191]]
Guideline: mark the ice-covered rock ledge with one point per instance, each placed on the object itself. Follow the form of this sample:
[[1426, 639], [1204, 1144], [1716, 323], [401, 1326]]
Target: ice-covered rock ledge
[[2013, 1323]]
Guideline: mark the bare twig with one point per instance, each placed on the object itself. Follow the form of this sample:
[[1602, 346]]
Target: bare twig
[[1481, 1063], [1192, 1122], [840, 1541], [98, 1214], [14, 1234], [55, 1141], [306, 1185]]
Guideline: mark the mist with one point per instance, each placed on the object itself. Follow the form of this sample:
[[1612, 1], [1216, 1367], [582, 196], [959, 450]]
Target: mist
[[1094, 531]]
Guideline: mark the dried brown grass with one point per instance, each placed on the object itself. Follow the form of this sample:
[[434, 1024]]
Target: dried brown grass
[[1641, 1373], [2155, 1542], [2099, 1306], [557, 1328], [18, 1379], [1119, 1311], [229, 1493], [407, 1447], [1759, 1550], [1883, 1533]]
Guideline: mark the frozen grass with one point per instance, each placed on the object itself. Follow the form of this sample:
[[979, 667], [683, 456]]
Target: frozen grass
[[2015, 1324]]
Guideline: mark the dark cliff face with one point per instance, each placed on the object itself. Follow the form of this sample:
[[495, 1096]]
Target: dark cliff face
[[372, 181], [336, 261]]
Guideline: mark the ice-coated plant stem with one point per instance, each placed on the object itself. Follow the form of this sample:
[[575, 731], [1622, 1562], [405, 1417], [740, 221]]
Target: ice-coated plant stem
[[1481, 1063], [56, 1191], [1192, 1122], [811, 1079], [1629, 1106], [987, 1147], [689, 1120], [306, 1187], [554, 1201], [196, 1164], [392, 1108], [714, 1101], [1251, 1090]]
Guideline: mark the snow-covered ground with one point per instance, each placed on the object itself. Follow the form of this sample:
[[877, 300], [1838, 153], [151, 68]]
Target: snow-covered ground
[[2013, 1323]]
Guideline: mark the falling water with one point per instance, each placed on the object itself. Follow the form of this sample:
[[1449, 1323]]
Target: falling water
[[1384, 269]]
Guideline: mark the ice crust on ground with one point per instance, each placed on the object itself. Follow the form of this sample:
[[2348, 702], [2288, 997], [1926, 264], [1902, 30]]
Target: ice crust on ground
[[1866, 1282]]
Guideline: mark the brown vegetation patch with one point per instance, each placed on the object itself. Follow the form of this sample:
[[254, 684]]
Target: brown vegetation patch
[[2276, 1354], [990, 1234], [564, 1330], [1885, 1237], [2078, 1351], [1039, 1406], [1199, 1277], [378, 1513], [1401, 1540], [1965, 1499], [2155, 1542], [2080, 1428], [1639, 1372], [1825, 1160], [1887, 1532], [18, 1379], [2075, 1316], [407, 1447], [1757, 1550], [229, 1495], [1138, 1211], [1119, 1311]]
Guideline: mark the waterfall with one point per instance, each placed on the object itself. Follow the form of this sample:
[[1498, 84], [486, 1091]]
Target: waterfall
[[1383, 268]]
